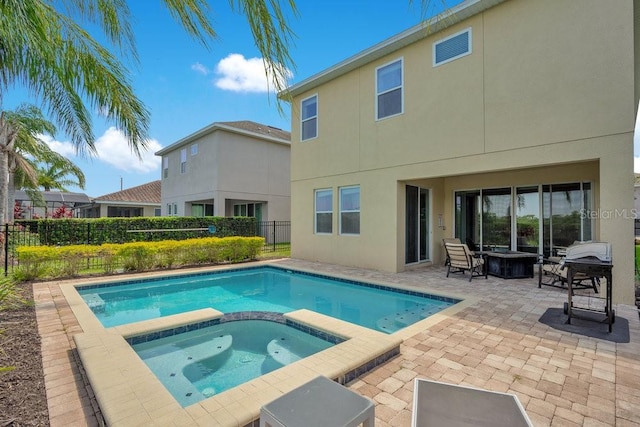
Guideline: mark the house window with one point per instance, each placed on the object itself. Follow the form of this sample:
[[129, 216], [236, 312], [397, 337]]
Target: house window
[[194, 149], [309, 118], [350, 210], [201, 209], [324, 211], [168, 209], [389, 90], [175, 209], [183, 160], [157, 212], [451, 48], [165, 167], [253, 210]]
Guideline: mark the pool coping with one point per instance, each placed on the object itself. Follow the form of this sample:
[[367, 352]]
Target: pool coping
[[128, 393]]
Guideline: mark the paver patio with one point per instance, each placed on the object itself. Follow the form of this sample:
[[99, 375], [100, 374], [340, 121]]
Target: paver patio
[[497, 343]]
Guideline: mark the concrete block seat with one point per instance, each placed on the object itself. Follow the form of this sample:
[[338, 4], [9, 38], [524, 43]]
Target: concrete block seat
[[320, 402]]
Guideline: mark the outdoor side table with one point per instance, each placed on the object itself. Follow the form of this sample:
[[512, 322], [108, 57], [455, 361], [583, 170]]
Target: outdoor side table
[[319, 403]]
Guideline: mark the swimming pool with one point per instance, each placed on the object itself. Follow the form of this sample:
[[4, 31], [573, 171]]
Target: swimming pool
[[264, 288], [201, 363]]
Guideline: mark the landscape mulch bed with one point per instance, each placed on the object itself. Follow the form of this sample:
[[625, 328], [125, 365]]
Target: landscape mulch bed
[[23, 400]]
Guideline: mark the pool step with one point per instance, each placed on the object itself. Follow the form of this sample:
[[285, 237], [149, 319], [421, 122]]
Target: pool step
[[401, 319], [95, 302]]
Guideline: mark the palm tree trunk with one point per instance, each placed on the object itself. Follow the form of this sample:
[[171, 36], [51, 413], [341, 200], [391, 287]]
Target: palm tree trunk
[[4, 170], [11, 197]]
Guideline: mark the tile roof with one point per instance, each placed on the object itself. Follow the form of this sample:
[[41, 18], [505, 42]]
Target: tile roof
[[247, 127], [259, 128], [145, 193]]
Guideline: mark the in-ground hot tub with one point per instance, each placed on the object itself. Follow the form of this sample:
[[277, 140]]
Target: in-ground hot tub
[[198, 364]]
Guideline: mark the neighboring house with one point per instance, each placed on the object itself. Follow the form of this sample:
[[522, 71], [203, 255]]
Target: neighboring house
[[228, 169], [143, 200], [57, 204], [508, 124]]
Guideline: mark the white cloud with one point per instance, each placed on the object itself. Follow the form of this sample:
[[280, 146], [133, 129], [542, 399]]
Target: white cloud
[[200, 68], [239, 74], [113, 149], [64, 148]]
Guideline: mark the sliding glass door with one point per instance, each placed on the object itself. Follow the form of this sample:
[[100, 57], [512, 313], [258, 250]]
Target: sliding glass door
[[547, 218], [496, 219], [564, 207], [416, 224], [527, 208], [468, 218]]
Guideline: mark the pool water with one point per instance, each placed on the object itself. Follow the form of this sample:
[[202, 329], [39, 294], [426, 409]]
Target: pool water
[[261, 289], [199, 364]]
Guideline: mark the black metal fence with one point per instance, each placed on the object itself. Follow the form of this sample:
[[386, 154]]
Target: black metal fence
[[277, 235]]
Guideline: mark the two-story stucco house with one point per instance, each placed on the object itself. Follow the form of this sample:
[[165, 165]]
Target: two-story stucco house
[[508, 124], [228, 169]]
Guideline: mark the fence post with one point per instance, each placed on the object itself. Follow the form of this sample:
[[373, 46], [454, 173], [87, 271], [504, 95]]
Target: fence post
[[274, 236], [6, 249]]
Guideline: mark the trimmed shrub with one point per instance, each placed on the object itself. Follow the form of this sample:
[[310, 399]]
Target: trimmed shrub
[[38, 262]]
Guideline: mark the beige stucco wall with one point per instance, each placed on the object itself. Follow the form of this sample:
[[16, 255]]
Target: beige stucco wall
[[538, 100], [231, 166]]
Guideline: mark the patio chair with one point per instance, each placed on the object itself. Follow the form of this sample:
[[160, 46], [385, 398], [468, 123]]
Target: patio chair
[[444, 242], [462, 259], [552, 272]]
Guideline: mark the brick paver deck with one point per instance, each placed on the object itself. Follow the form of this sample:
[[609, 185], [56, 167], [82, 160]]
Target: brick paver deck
[[497, 343]]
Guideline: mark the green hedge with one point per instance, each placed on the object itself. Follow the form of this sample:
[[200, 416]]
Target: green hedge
[[45, 262], [97, 231]]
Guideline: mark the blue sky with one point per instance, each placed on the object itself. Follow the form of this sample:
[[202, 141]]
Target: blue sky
[[187, 87]]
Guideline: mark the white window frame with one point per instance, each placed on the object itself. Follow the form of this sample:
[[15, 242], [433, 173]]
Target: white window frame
[[175, 209], [165, 167], [194, 149], [168, 209], [306, 119], [341, 210], [401, 87], [462, 55], [316, 211], [183, 161]]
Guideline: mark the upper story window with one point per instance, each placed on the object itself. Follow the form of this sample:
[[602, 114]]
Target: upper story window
[[194, 149], [350, 210], [324, 211], [165, 167], [451, 48], [183, 160], [309, 118], [389, 90]]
